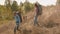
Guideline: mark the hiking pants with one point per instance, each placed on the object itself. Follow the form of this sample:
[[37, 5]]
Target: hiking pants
[[35, 20], [16, 27]]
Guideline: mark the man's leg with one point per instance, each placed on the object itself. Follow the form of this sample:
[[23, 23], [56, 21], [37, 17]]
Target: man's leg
[[15, 30], [17, 26]]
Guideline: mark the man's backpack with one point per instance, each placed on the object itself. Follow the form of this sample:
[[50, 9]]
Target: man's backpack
[[20, 17]]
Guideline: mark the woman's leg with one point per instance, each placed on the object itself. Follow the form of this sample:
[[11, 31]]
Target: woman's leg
[[35, 20]]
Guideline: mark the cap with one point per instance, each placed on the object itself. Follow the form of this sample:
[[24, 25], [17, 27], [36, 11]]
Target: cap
[[17, 12]]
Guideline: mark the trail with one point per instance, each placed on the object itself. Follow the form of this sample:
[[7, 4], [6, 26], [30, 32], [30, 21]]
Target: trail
[[7, 28]]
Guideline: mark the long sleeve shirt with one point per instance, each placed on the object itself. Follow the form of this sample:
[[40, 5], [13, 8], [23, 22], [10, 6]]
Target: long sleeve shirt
[[17, 18]]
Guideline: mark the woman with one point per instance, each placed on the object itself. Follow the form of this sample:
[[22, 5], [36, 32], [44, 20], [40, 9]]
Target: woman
[[36, 14]]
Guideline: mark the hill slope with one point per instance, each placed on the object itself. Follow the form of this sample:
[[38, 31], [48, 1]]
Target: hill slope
[[49, 23]]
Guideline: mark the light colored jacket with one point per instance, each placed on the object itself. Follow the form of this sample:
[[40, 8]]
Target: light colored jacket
[[17, 18]]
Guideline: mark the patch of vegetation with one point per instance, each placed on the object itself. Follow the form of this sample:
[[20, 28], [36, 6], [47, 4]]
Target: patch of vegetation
[[27, 31], [6, 10], [51, 24], [4, 22]]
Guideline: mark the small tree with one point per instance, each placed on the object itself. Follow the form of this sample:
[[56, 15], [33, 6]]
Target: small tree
[[27, 6], [14, 6], [8, 4], [8, 9]]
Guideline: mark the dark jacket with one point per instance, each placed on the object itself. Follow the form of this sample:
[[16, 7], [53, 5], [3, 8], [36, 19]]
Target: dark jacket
[[39, 9]]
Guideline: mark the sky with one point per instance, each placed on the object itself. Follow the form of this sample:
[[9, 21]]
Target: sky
[[42, 2]]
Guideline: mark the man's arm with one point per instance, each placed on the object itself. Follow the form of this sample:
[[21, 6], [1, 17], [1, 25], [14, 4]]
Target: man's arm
[[19, 18]]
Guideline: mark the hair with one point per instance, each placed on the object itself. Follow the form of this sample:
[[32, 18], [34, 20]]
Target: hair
[[14, 13], [36, 5]]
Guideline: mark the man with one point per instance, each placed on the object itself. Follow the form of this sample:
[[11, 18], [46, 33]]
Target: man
[[18, 20]]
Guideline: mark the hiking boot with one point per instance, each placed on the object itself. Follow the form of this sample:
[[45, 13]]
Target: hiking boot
[[18, 29], [14, 32], [36, 24]]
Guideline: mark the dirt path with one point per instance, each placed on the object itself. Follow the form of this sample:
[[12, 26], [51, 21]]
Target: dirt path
[[6, 27]]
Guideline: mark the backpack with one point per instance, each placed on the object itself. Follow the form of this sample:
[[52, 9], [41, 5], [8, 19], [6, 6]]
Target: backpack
[[39, 9], [20, 17]]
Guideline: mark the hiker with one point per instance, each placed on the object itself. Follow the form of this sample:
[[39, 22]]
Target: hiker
[[37, 13], [18, 20]]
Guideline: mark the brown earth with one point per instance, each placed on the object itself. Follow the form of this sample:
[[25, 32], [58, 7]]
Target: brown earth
[[49, 23]]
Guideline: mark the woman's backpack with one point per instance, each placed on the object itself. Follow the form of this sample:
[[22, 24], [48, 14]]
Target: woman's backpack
[[39, 9]]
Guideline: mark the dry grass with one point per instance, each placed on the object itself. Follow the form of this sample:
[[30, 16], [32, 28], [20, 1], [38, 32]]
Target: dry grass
[[3, 22], [49, 23]]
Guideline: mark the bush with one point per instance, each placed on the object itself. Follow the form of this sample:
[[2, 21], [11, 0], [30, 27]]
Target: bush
[[51, 24]]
